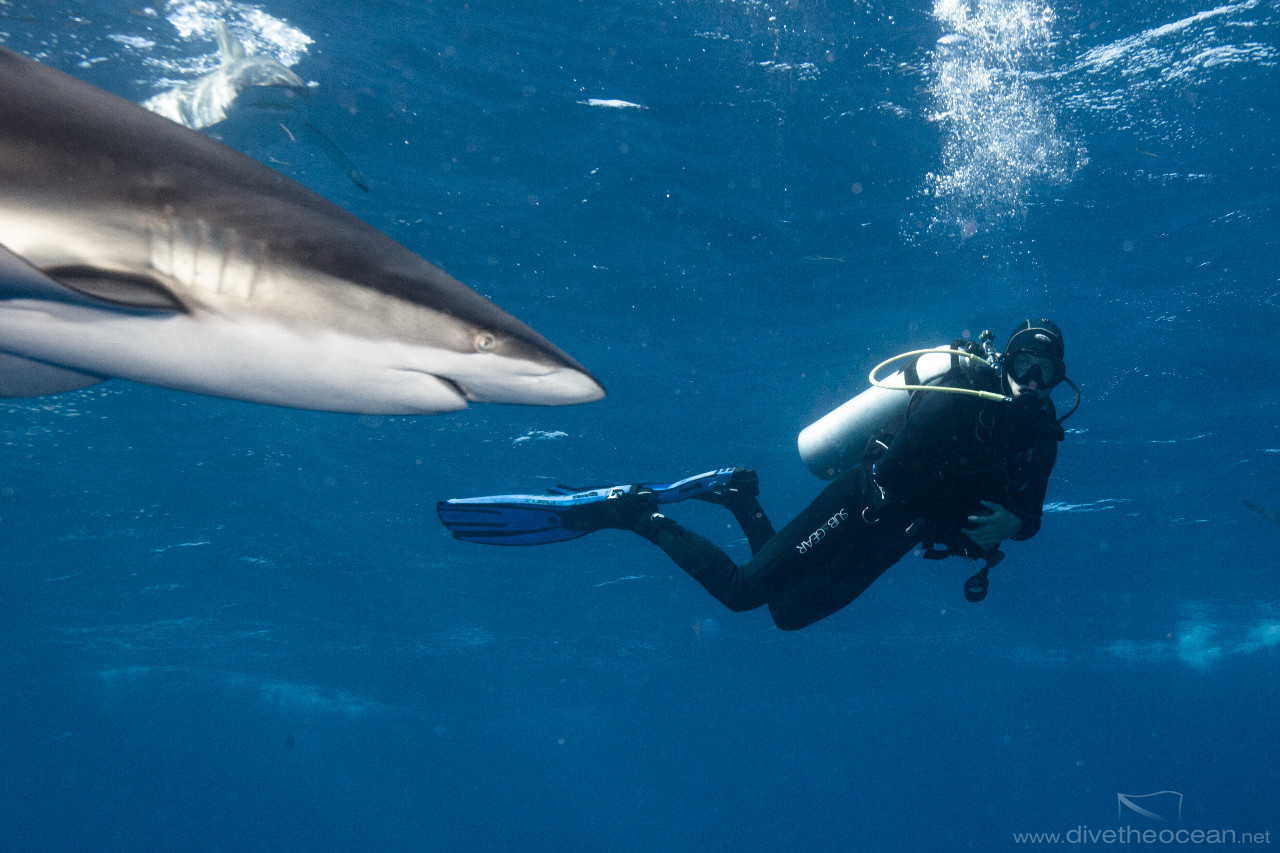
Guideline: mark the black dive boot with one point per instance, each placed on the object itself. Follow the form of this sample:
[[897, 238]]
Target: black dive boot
[[743, 488], [623, 511]]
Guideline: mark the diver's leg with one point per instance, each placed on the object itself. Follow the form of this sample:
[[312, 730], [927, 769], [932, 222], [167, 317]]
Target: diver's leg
[[701, 559], [754, 523], [839, 582], [782, 562], [751, 518], [740, 498]]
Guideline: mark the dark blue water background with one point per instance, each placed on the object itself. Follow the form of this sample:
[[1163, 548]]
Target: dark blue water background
[[232, 627]]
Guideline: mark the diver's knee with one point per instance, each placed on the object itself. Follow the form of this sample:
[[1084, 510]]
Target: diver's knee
[[791, 620], [741, 605], [787, 623]]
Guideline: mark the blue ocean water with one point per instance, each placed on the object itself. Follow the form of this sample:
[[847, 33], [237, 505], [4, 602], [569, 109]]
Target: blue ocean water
[[226, 626]]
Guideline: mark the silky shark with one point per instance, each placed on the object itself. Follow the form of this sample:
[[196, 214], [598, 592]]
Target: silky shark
[[204, 102], [1269, 514], [208, 100], [133, 247]]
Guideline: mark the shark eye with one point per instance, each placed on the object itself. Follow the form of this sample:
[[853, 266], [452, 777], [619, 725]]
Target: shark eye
[[484, 342]]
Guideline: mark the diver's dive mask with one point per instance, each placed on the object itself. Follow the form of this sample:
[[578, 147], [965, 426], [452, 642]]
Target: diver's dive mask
[[1033, 356], [1034, 370]]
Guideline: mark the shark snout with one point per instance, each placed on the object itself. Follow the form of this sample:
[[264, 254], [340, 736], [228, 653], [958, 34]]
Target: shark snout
[[520, 374], [495, 358], [562, 386]]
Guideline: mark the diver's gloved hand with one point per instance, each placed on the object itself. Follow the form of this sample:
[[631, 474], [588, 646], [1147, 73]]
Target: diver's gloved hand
[[988, 531]]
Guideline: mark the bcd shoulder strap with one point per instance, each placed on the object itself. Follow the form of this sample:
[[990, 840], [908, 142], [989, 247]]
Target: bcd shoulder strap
[[884, 436]]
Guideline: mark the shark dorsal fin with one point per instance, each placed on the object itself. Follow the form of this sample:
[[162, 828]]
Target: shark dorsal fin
[[228, 45]]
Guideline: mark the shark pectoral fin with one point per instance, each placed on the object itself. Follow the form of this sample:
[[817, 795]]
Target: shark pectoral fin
[[18, 278], [82, 285], [124, 290], [22, 377], [337, 155]]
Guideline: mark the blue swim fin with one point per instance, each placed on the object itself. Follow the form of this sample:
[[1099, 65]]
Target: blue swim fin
[[539, 519]]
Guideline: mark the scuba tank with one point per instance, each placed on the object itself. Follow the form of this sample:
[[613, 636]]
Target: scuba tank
[[835, 442]]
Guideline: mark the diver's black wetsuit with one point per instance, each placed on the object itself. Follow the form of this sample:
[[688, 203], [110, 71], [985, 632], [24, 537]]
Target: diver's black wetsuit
[[952, 452]]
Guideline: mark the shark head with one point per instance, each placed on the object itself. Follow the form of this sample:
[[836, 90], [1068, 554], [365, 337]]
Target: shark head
[[136, 248]]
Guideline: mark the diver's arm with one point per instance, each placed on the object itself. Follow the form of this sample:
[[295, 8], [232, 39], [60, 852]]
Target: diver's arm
[[1028, 502], [1021, 520]]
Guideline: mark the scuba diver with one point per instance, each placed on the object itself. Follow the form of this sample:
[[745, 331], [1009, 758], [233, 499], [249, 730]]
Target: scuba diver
[[952, 453]]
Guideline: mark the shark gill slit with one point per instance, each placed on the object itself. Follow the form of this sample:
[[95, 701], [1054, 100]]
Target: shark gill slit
[[117, 288]]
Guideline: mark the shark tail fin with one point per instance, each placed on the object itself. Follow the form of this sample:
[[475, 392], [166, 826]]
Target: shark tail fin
[[228, 45]]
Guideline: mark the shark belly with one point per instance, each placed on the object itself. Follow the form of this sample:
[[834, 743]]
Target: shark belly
[[248, 359]]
